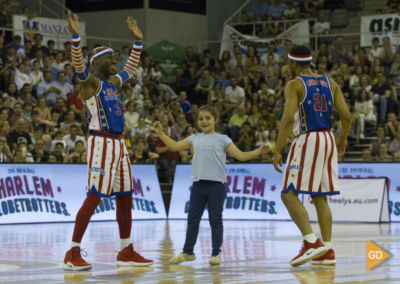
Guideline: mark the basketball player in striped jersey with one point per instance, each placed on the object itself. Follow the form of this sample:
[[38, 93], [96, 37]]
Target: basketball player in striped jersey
[[109, 170], [311, 167]]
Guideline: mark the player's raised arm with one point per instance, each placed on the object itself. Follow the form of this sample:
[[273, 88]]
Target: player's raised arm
[[285, 128], [345, 117], [82, 71], [133, 61]]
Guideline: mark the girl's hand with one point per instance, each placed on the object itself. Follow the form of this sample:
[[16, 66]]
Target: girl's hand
[[158, 127], [264, 149]]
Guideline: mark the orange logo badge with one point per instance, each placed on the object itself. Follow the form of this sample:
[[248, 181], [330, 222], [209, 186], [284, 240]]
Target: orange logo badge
[[375, 255]]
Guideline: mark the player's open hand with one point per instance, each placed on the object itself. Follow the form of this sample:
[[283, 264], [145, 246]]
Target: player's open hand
[[264, 149], [133, 27], [158, 127], [73, 22], [277, 162], [341, 146]]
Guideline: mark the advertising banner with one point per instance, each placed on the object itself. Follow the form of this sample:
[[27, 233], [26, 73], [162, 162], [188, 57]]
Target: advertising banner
[[170, 56], [380, 26], [360, 200], [246, 179], [254, 193], [298, 33], [49, 28], [54, 193], [375, 170]]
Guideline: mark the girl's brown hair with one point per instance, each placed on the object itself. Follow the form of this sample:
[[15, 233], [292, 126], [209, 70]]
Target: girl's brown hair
[[213, 112]]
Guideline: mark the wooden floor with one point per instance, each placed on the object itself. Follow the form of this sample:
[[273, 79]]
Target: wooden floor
[[253, 252]]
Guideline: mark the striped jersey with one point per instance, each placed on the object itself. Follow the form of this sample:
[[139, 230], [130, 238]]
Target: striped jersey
[[104, 109], [315, 108]]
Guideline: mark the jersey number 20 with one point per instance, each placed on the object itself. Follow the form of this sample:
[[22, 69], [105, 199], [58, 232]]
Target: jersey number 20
[[320, 102]]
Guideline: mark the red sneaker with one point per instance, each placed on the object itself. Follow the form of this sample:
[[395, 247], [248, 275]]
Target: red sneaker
[[129, 257], [74, 261], [308, 252], [327, 259]]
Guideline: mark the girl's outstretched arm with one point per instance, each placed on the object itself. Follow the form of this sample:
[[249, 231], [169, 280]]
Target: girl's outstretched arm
[[172, 145], [246, 156]]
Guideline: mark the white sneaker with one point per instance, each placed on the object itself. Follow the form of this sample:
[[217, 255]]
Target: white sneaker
[[181, 258], [216, 260], [362, 136]]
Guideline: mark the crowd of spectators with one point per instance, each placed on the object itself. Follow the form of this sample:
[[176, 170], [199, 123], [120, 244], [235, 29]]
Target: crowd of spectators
[[42, 119]]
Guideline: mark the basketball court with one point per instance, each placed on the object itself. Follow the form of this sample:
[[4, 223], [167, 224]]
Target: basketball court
[[253, 252]]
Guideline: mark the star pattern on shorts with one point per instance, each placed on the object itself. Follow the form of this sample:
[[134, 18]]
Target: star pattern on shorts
[[329, 103], [309, 102]]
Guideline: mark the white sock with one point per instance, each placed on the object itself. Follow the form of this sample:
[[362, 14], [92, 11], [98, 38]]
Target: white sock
[[328, 244], [73, 244], [125, 243], [311, 238]]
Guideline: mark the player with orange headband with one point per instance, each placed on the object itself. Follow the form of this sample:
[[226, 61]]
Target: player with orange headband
[[109, 167]]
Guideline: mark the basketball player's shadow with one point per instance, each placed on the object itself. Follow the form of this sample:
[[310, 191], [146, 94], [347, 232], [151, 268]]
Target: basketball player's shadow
[[76, 276], [319, 274], [133, 273]]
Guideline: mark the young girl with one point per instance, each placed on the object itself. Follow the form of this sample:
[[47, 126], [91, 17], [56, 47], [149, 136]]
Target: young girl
[[209, 178]]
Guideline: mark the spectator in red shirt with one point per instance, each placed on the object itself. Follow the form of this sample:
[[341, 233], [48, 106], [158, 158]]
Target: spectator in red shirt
[[167, 159], [73, 100], [17, 114]]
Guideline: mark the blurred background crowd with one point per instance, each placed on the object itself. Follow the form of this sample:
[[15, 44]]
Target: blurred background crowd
[[42, 119]]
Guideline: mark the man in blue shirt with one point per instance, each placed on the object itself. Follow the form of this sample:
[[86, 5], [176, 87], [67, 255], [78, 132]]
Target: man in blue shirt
[[276, 10], [260, 8]]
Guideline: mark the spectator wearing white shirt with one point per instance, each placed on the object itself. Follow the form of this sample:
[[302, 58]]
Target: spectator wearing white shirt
[[139, 74], [131, 117], [321, 26], [58, 63], [290, 11], [71, 138], [234, 95], [156, 72], [20, 78], [271, 51], [375, 51]]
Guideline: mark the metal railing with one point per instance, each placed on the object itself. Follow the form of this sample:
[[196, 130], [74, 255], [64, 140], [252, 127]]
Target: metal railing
[[286, 23], [45, 8], [198, 46], [237, 12]]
